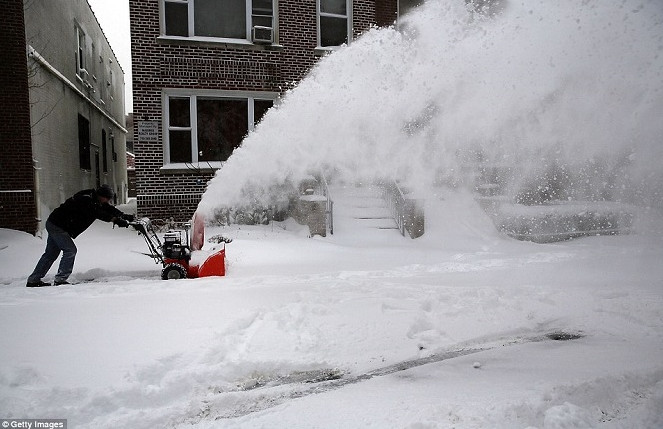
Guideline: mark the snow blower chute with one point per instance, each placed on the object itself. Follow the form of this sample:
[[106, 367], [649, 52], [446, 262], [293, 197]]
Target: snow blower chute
[[183, 259]]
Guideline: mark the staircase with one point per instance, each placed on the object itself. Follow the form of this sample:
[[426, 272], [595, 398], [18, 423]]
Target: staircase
[[361, 211]]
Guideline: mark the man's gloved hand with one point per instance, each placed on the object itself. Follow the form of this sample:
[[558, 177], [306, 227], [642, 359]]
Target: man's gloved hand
[[121, 222], [128, 217]]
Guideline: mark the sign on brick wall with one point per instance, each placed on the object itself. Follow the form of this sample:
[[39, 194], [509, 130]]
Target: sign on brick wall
[[148, 131]]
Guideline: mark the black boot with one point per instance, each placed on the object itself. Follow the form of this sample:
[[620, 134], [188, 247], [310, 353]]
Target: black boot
[[37, 284]]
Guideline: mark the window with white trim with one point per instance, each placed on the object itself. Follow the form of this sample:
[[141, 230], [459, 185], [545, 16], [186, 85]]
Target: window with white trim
[[218, 19], [206, 127], [81, 53], [334, 23], [405, 6]]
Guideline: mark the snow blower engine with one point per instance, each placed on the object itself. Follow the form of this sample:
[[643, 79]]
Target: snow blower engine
[[182, 259]]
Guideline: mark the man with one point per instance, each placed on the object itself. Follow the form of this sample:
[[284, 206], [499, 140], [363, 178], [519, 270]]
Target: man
[[66, 223]]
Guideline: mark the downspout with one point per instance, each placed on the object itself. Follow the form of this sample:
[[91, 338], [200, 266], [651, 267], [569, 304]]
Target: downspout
[[37, 195]]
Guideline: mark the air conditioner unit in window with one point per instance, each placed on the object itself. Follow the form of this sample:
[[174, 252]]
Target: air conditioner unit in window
[[260, 34]]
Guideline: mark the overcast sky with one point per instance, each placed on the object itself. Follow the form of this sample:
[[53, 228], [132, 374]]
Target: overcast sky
[[113, 15]]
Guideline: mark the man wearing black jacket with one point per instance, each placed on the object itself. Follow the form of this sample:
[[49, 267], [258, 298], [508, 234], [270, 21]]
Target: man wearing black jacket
[[66, 223]]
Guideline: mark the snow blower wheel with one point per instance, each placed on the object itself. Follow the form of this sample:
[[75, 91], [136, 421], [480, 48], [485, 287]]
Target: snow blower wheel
[[173, 272]]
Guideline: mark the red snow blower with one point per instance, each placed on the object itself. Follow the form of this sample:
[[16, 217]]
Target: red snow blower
[[182, 259]]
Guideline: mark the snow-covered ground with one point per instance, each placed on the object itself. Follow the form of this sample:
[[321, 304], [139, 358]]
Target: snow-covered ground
[[364, 328]]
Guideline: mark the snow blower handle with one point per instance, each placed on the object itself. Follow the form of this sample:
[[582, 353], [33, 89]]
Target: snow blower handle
[[123, 220], [122, 223], [142, 226]]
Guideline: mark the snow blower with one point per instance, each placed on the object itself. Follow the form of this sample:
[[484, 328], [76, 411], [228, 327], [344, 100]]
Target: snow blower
[[182, 259]]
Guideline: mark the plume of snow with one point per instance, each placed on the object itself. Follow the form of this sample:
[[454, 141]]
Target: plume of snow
[[532, 85]]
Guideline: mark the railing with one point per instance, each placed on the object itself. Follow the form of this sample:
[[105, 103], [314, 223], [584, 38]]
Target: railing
[[315, 206], [329, 208], [407, 212]]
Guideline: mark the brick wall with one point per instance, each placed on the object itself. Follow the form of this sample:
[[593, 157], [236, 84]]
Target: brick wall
[[17, 207], [159, 64], [385, 12]]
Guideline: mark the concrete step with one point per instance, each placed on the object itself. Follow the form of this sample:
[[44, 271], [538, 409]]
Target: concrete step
[[360, 209]]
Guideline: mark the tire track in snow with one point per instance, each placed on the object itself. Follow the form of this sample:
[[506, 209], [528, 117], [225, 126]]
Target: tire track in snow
[[270, 392]]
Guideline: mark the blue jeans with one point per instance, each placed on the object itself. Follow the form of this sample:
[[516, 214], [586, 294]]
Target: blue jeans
[[58, 241]]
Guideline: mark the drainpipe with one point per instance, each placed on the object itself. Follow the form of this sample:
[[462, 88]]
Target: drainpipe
[[37, 195]]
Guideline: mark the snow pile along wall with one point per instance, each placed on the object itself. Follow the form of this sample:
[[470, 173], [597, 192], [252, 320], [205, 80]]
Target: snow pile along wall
[[573, 88]]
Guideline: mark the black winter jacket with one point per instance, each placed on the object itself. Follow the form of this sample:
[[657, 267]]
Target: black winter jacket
[[79, 212]]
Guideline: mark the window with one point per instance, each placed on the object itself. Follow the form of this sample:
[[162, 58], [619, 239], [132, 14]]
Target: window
[[333, 22], [104, 151], [222, 123], [176, 18], [92, 68], [219, 19], [260, 107], [103, 88], [207, 127], [262, 13], [81, 48], [405, 6], [110, 80], [84, 143], [179, 129]]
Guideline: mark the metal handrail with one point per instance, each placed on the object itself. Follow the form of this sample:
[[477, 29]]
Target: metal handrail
[[406, 211], [329, 208], [395, 199]]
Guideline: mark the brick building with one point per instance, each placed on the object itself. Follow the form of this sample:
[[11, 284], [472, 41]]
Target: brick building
[[205, 72], [17, 198], [62, 104]]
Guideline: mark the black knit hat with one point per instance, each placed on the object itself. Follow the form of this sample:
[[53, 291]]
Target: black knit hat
[[105, 191]]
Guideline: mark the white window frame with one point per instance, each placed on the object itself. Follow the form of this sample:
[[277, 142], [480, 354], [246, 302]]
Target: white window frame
[[193, 127], [347, 16], [191, 23], [81, 53]]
